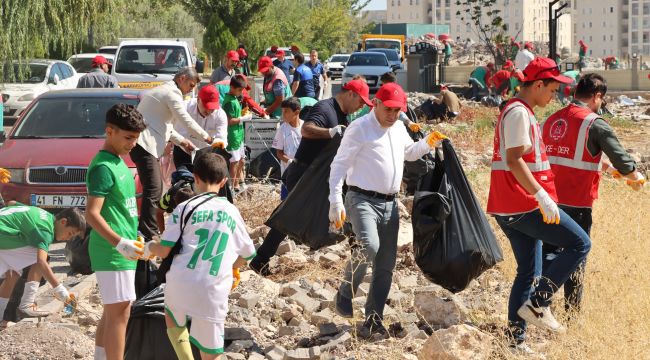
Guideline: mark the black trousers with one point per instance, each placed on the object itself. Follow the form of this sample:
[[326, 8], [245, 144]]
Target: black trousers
[[273, 239], [181, 158], [316, 91], [151, 179], [574, 286]]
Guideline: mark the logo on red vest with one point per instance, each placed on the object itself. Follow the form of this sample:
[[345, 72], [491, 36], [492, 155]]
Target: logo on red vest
[[558, 129]]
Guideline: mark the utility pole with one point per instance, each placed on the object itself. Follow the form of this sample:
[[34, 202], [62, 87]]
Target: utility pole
[[553, 16]]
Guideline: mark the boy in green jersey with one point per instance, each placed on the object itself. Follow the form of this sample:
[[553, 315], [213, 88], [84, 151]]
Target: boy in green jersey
[[113, 214], [232, 107], [26, 233]]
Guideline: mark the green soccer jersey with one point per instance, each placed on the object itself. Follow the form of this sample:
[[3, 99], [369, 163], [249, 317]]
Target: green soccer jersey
[[232, 107], [110, 178], [22, 225]]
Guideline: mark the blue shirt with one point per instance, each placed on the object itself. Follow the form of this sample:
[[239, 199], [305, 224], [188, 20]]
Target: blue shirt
[[285, 65], [305, 77], [317, 70]]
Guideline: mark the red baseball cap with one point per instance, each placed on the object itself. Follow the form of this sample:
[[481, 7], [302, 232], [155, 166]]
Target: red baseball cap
[[529, 46], [264, 64], [360, 88], [274, 48], [209, 96], [508, 64], [242, 53], [99, 60], [279, 52], [232, 55], [392, 95], [542, 68]]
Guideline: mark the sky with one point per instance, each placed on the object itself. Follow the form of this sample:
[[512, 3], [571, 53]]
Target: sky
[[376, 5]]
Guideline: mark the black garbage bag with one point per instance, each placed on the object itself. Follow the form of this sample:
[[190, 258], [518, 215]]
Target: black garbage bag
[[415, 170], [146, 333], [76, 253], [265, 164], [453, 242], [303, 215], [432, 110]]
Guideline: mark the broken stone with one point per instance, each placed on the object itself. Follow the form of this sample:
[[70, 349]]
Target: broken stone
[[293, 258], [289, 313], [275, 352], [438, 306], [407, 282], [328, 329], [259, 232], [234, 356], [321, 317], [343, 338], [458, 342], [239, 345], [255, 356], [312, 353], [288, 290], [286, 247], [294, 322], [321, 294], [308, 304], [249, 301], [363, 289], [329, 259], [233, 334], [288, 330]]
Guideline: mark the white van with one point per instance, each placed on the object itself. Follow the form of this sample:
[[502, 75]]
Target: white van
[[146, 63]]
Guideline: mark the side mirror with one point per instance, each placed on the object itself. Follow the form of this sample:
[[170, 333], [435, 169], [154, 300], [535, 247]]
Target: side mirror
[[54, 80], [200, 66], [343, 65]]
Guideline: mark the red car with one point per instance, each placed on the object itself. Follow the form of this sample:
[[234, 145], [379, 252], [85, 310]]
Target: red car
[[51, 145]]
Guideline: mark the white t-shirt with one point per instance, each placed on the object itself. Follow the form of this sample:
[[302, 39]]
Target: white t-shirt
[[523, 58], [200, 278], [215, 124], [287, 139], [516, 129]]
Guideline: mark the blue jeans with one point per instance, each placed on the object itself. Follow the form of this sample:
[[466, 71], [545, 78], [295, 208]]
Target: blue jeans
[[376, 225], [525, 232], [573, 287]]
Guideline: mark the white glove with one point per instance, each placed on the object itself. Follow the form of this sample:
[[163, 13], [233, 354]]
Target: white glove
[[61, 293], [266, 116], [338, 129], [548, 207], [130, 249], [337, 214], [147, 255], [246, 117], [637, 183]]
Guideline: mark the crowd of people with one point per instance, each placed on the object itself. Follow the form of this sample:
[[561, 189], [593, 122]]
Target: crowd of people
[[544, 180]]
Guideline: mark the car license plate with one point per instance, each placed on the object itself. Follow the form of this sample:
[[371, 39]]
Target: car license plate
[[58, 201]]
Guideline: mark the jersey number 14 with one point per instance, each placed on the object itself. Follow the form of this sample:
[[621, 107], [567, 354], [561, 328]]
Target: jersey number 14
[[206, 246]]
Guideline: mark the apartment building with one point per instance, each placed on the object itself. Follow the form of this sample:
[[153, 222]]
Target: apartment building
[[375, 16], [603, 27], [409, 11]]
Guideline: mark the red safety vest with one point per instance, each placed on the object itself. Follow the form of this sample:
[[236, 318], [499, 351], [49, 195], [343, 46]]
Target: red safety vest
[[507, 196], [577, 173], [277, 75]]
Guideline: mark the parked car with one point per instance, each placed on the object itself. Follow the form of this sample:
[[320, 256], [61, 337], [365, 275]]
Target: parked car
[[335, 64], [288, 54], [49, 149], [111, 49], [83, 62], [40, 76], [371, 65], [393, 57]]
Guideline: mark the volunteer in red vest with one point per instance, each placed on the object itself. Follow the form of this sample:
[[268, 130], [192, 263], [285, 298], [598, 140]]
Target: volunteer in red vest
[[275, 87], [523, 201], [575, 139]]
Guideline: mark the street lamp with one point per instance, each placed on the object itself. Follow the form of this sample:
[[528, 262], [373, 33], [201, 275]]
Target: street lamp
[[553, 15]]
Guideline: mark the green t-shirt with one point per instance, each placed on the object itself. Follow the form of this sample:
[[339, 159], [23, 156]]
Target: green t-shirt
[[573, 74], [359, 113], [110, 178], [479, 74], [22, 225], [232, 107], [307, 101]]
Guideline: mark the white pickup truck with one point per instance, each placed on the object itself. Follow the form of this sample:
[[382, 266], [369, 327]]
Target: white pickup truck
[[146, 63]]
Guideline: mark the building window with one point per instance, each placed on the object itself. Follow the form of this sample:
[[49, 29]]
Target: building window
[[635, 37], [646, 37], [392, 3], [611, 37], [516, 26], [411, 2], [447, 15], [635, 9], [646, 9], [447, 3], [611, 9]]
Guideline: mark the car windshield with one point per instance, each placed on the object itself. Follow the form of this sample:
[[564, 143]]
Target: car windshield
[[148, 59], [339, 58], [68, 117], [383, 44], [390, 54], [31, 73], [368, 59], [82, 65]]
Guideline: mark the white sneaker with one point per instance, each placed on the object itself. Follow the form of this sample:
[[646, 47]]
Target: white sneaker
[[540, 317], [521, 349]]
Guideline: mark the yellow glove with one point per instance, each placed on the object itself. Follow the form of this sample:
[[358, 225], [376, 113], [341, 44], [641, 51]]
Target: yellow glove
[[5, 176], [236, 277], [218, 144], [636, 184], [435, 137], [415, 127]]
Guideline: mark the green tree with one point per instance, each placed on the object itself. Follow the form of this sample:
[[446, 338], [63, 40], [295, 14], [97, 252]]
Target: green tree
[[237, 15], [217, 38], [484, 18]]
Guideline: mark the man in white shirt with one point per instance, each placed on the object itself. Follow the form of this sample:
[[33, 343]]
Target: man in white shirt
[[287, 138], [209, 115], [371, 161], [524, 56]]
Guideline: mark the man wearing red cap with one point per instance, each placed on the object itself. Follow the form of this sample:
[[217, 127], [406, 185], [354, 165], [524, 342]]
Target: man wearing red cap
[[581, 54], [243, 67], [524, 56], [283, 64], [514, 48], [371, 161], [326, 120], [275, 86], [98, 77], [208, 114], [227, 69], [479, 79], [523, 200], [500, 81]]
